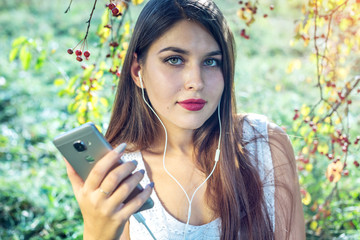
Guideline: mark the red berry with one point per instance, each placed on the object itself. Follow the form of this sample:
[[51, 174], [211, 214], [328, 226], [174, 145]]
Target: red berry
[[87, 54], [356, 163], [296, 116], [303, 192], [240, 2], [265, 15], [243, 34], [79, 58], [346, 172], [344, 148], [341, 96], [113, 44], [115, 11], [70, 51], [271, 7], [111, 6], [78, 52]]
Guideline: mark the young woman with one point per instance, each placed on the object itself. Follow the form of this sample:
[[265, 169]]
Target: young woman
[[215, 174]]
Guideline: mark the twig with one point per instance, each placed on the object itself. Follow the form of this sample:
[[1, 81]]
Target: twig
[[68, 8], [89, 21], [348, 91]]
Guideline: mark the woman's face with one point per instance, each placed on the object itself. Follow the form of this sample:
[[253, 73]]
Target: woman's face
[[182, 75]]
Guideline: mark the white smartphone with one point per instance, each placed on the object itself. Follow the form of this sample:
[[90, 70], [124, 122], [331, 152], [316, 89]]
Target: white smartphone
[[82, 147]]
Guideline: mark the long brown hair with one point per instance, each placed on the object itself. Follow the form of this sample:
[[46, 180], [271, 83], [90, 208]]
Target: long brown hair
[[235, 191]]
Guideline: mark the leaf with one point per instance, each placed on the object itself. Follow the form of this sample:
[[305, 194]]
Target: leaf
[[88, 71], [305, 110], [309, 167], [305, 150], [137, 2], [333, 172], [13, 53], [313, 225], [41, 59], [59, 82], [323, 148], [127, 28], [18, 41], [102, 31], [25, 57], [307, 199], [99, 74], [293, 65], [72, 82], [62, 92], [104, 102]]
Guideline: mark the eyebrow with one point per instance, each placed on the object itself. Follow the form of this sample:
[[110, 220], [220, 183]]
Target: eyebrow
[[182, 51]]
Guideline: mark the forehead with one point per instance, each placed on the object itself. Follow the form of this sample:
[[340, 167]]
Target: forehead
[[186, 34]]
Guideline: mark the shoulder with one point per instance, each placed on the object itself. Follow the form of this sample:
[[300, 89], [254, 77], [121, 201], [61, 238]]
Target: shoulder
[[252, 119], [252, 126], [273, 133]]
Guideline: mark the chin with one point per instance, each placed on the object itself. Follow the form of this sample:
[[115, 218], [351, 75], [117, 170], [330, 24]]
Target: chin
[[192, 125]]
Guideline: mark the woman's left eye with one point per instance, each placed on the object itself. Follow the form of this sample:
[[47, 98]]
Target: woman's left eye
[[211, 62]]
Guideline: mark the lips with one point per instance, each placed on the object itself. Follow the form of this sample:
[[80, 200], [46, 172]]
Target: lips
[[193, 104]]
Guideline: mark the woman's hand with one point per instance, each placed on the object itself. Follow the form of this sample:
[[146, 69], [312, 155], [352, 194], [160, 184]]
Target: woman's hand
[[102, 195]]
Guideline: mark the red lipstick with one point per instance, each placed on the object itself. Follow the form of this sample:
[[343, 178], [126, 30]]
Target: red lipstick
[[193, 104]]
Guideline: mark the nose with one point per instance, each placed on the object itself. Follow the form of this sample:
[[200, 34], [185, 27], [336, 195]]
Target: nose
[[194, 79]]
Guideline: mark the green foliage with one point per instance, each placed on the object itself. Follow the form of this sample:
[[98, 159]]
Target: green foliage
[[43, 91]]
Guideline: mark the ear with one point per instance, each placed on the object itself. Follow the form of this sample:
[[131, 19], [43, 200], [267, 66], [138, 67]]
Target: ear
[[135, 69]]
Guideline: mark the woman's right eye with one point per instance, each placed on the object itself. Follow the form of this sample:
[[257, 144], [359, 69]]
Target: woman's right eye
[[174, 60]]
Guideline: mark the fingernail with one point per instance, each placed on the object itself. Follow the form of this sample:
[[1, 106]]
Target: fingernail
[[135, 162], [151, 184], [120, 148], [142, 171]]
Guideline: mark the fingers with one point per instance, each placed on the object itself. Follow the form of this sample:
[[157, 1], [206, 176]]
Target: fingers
[[76, 181], [116, 176], [103, 166], [126, 210], [127, 186]]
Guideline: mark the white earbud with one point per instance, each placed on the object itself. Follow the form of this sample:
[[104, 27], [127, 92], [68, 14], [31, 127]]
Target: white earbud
[[141, 82]]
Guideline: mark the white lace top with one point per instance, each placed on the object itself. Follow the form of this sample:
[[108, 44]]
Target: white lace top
[[166, 227]]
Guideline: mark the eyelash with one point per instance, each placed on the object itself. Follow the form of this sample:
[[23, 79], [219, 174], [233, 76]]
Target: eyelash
[[171, 58], [166, 60]]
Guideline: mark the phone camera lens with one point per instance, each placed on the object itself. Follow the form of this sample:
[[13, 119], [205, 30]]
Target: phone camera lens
[[79, 146]]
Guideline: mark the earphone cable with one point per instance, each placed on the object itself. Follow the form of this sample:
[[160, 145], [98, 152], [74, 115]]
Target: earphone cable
[[217, 156]]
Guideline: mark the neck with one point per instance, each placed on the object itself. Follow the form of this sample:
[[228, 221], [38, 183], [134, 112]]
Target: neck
[[179, 142]]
